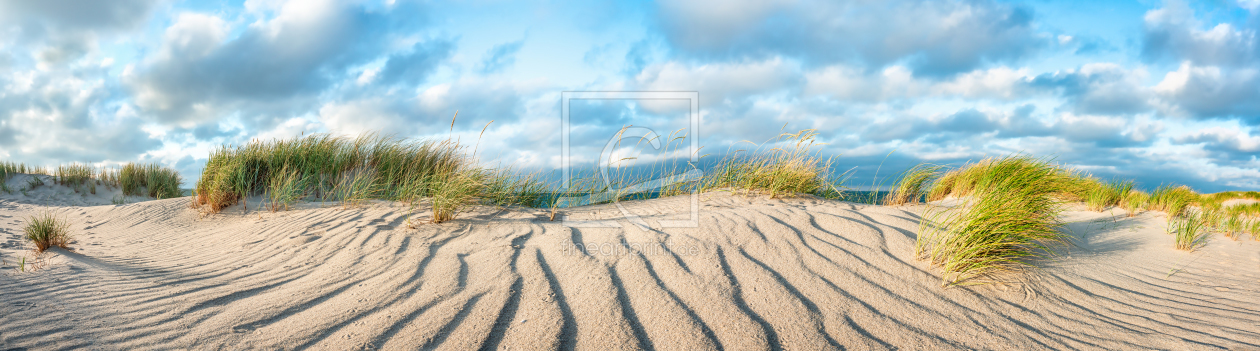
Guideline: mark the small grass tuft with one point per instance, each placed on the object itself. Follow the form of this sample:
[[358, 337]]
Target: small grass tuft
[[46, 230], [1189, 232]]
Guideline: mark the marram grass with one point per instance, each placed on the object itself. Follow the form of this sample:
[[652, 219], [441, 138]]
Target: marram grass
[[135, 179], [46, 230], [1010, 217], [913, 184], [353, 171], [1099, 195], [1133, 202], [1189, 231]]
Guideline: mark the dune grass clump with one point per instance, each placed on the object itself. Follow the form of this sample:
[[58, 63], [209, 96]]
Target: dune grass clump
[[1233, 225], [145, 179], [1189, 231], [327, 162], [1010, 217], [913, 185], [356, 187], [1172, 200], [1134, 202], [284, 190], [8, 169], [1230, 195], [351, 171], [1253, 227], [452, 192], [1099, 195], [74, 175], [794, 169], [46, 230], [785, 165]]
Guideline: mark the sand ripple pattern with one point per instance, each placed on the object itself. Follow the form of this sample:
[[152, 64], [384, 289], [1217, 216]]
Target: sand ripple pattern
[[757, 274]]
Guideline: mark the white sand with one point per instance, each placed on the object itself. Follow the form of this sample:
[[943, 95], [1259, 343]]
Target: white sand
[[757, 274], [1238, 202]]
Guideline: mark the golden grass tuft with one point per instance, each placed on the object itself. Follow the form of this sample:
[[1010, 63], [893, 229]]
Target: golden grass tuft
[[45, 230], [1010, 216], [913, 185]]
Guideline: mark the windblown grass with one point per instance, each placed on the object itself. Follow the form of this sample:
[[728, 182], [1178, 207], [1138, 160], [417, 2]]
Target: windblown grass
[[1230, 195], [1100, 196], [1253, 227], [46, 230], [335, 167], [153, 180], [284, 190], [352, 171], [796, 168], [9, 169], [1172, 200], [1189, 231], [1233, 225], [145, 179], [1010, 217], [1135, 201], [453, 191], [913, 185]]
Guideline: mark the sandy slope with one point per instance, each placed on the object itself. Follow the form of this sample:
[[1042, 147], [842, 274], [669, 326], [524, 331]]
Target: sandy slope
[[22, 189], [757, 274]]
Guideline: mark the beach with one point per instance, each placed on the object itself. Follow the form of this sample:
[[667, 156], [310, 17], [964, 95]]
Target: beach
[[757, 273]]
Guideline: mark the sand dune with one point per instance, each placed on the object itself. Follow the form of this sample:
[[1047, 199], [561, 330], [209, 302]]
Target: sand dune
[[757, 274], [43, 190]]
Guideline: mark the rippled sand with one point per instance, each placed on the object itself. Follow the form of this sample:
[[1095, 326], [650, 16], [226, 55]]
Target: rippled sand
[[756, 274]]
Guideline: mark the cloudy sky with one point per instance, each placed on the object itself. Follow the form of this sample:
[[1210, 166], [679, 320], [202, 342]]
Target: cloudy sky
[[1155, 91]]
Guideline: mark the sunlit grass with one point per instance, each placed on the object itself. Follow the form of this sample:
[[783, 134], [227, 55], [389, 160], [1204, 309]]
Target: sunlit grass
[[913, 185], [352, 171], [1189, 231], [1011, 216], [75, 175], [1135, 201], [796, 167], [1099, 195], [1172, 200], [45, 230]]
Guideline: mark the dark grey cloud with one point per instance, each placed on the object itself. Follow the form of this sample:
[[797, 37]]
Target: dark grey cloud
[[934, 37], [500, 56]]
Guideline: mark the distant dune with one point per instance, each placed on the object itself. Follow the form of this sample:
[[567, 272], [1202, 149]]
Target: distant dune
[[757, 274]]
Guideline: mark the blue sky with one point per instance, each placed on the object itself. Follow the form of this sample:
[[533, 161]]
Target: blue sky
[[1155, 91]]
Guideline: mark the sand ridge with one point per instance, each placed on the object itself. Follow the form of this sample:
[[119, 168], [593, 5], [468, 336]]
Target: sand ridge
[[757, 273]]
